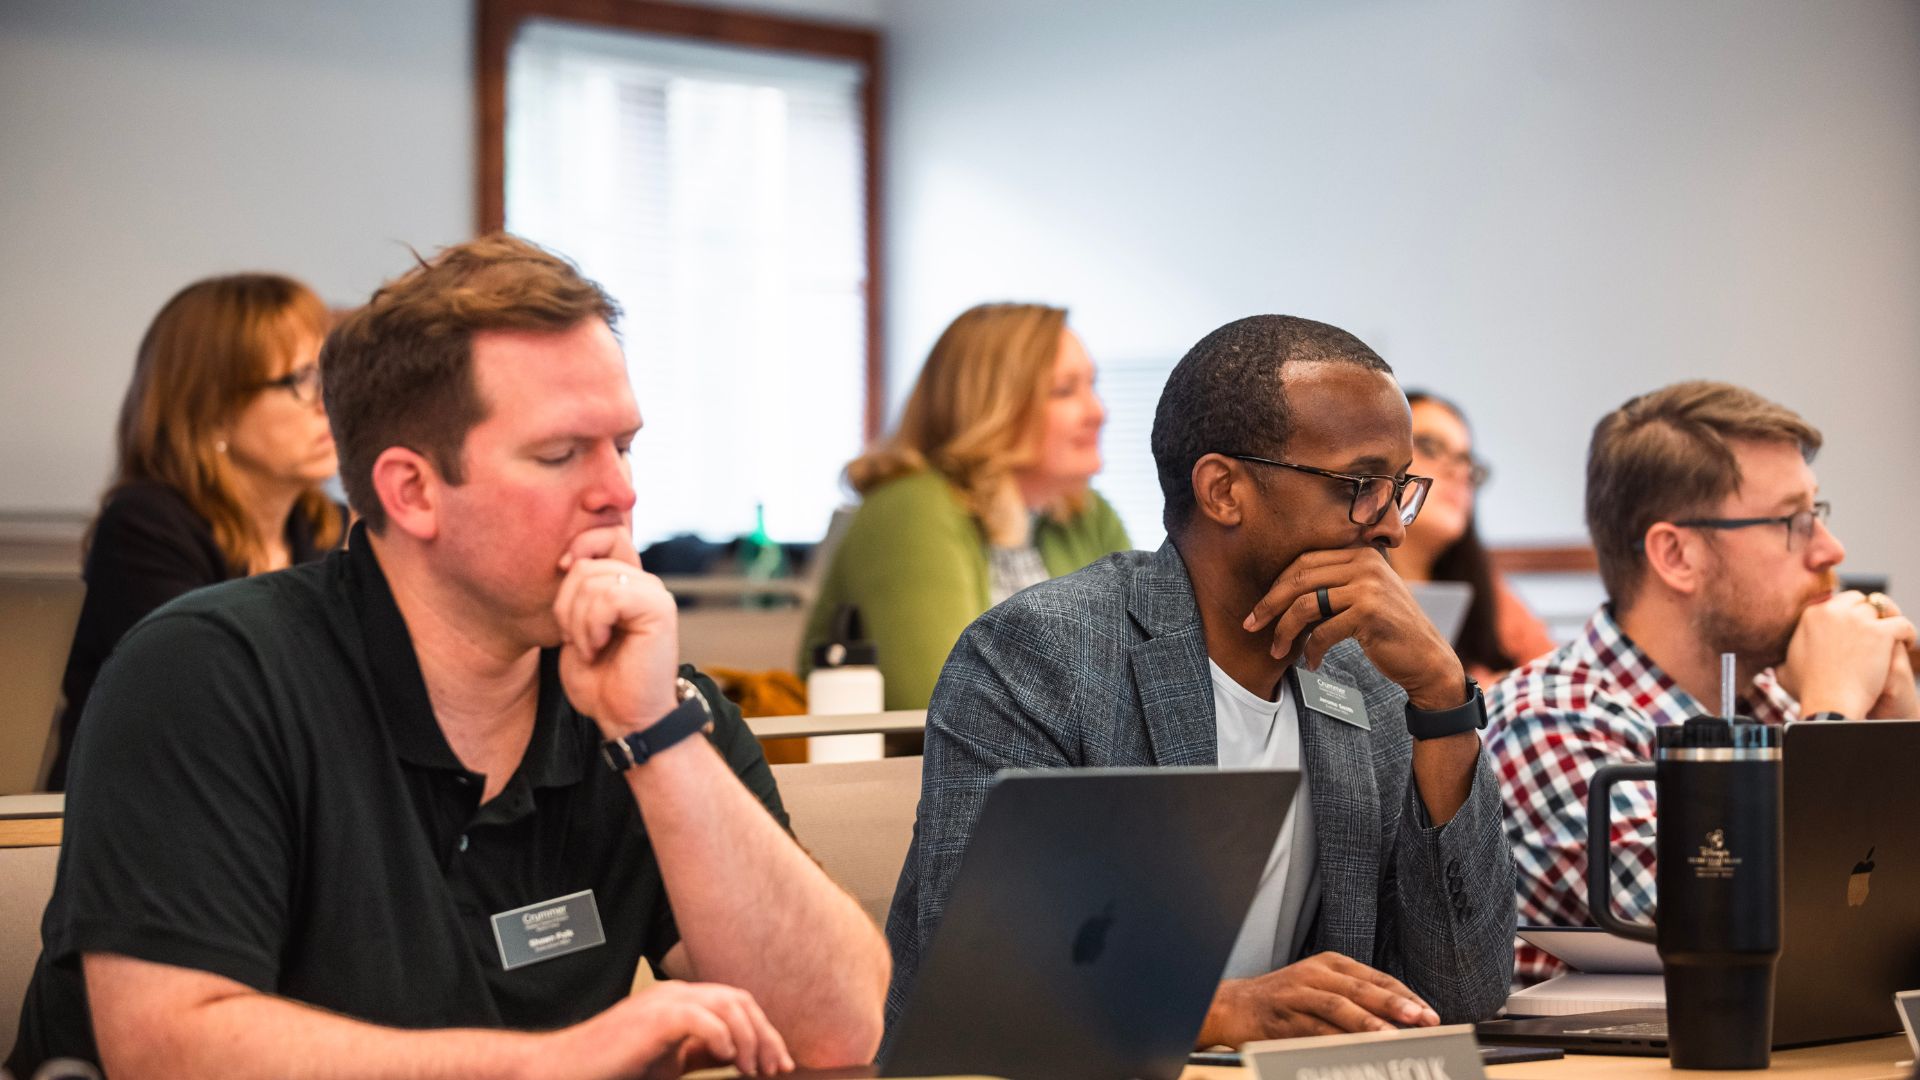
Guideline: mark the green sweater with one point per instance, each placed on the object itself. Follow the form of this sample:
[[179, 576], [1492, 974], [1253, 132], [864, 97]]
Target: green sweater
[[915, 562]]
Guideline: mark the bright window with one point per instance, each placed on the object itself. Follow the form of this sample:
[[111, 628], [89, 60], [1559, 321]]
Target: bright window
[[1129, 480], [719, 193]]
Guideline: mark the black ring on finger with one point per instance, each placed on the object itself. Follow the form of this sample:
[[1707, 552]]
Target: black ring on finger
[[1326, 605]]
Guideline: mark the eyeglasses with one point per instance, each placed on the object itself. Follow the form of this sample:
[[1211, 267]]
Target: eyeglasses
[[1478, 472], [1372, 492], [302, 382], [1799, 523]]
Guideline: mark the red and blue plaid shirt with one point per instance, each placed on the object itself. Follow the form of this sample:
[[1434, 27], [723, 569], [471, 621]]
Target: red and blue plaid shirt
[[1551, 723]]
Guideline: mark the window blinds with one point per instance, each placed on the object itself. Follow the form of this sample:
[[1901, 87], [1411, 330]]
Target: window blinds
[[718, 193]]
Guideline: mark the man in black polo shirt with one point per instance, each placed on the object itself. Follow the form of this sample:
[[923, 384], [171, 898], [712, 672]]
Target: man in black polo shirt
[[358, 818]]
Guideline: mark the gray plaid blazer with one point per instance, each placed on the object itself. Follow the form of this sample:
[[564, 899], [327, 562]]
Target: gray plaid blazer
[[1107, 666]]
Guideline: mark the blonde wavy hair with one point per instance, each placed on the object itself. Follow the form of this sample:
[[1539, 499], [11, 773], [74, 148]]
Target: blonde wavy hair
[[977, 409], [201, 361]]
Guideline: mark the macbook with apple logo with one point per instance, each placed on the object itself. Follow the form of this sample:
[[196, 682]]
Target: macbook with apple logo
[[1850, 847], [1089, 922], [1851, 840]]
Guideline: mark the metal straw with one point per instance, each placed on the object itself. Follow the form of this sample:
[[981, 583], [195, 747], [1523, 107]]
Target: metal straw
[[1726, 685]]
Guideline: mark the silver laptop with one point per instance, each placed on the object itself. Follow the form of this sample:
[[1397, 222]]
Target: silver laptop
[[1851, 844]]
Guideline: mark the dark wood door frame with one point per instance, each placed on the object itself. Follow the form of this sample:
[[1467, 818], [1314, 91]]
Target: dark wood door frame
[[499, 21], [1570, 558]]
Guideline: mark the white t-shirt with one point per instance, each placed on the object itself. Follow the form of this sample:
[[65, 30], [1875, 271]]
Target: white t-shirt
[[1256, 733]]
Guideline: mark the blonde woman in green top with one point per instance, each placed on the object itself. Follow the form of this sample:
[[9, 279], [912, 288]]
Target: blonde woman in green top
[[980, 492]]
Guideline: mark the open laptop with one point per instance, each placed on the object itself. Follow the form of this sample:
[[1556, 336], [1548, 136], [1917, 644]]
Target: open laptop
[[1851, 940], [1089, 923]]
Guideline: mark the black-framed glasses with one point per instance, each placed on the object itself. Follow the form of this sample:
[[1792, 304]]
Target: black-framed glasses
[[1372, 492], [1478, 472], [1799, 523], [302, 382]]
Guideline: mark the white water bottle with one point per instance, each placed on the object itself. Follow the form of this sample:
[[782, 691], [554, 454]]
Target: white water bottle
[[845, 679]]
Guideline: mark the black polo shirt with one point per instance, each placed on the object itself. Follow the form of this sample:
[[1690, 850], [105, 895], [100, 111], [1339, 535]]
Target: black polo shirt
[[262, 791]]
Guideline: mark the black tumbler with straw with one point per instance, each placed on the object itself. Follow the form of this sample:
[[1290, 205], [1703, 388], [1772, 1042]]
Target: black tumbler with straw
[[1719, 876]]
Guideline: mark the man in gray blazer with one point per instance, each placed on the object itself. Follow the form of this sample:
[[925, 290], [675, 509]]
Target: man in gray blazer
[[1282, 447]]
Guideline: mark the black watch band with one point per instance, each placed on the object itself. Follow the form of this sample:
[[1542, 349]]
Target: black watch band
[[1470, 715], [690, 716]]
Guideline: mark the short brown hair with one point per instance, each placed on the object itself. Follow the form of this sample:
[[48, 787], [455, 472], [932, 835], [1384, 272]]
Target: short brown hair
[[399, 371], [1664, 455], [204, 357]]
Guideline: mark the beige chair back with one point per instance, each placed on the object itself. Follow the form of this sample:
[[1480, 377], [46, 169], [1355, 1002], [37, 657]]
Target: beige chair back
[[856, 818], [26, 881], [37, 616], [749, 639]]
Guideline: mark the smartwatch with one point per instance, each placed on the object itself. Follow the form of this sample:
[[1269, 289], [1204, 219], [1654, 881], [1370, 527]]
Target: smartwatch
[[1470, 715], [688, 717]]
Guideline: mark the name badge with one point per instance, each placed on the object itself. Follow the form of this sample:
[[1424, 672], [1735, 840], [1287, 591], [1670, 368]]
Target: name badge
[[550, 928], [1439, 1053], [1335, 698]]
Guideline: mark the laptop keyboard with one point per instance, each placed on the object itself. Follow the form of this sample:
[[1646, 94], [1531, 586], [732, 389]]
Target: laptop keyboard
[[1654, 1028]]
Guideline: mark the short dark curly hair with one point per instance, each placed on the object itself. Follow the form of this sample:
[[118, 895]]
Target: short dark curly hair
[[1226, 394]]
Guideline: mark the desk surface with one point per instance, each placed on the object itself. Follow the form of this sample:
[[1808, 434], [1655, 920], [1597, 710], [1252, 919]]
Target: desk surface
[[1871, 1059], [807, 726]]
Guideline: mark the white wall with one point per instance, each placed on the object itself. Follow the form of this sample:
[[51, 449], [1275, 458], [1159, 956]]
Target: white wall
[[1540, 209], [147, 143], [143, 145]]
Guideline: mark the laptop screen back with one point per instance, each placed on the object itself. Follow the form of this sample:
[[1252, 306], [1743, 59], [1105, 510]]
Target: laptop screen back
[[1852, 845], [1089, 922]]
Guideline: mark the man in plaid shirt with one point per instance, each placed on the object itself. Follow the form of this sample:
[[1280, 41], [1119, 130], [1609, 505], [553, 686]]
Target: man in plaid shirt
[[1691, 491]]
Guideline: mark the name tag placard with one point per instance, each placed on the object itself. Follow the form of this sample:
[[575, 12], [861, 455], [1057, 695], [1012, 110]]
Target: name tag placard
[[1337, 699], [550, 928], [1436, 1053]]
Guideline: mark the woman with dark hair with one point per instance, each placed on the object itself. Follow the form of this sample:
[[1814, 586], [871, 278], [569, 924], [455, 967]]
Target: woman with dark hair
[[1442, 545], [221, 448]]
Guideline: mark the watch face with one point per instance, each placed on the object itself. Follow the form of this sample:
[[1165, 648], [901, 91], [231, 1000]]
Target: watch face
[[689, 692], [1470, 715]]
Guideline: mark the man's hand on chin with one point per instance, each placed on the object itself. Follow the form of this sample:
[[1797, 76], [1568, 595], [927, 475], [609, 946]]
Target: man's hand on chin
[[1324, 994], [619, 631], [1899, 699], [1841, 657], [1325, 597]]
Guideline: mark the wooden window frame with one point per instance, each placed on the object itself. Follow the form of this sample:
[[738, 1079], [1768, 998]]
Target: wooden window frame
[[499, 22], [1572, 558]]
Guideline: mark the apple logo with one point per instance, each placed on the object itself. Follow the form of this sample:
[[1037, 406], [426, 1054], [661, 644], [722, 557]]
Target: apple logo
[[1091, 941], [1857, 881]]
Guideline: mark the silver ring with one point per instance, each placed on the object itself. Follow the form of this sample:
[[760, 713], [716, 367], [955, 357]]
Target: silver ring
[[1326, 605]]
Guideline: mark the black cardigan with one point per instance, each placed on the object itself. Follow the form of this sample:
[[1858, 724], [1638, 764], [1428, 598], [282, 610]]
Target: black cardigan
[[149, 546]]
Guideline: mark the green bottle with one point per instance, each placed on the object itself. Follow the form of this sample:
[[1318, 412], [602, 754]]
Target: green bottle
[[760, 557]]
